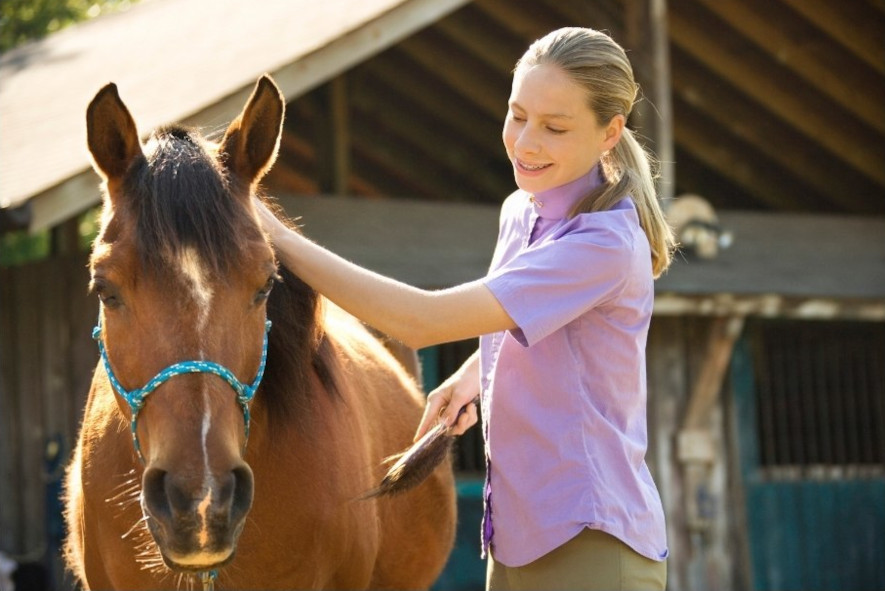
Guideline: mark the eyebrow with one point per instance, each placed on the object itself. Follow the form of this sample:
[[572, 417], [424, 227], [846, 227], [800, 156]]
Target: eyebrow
[[544, 115]]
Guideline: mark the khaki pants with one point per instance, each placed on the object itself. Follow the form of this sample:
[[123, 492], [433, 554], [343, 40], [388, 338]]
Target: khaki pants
[[592, 560]]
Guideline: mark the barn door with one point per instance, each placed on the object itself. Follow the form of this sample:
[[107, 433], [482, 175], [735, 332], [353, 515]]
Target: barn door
[[810, 412]]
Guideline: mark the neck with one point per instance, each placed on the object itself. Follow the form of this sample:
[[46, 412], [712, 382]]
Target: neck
[[558, 202]]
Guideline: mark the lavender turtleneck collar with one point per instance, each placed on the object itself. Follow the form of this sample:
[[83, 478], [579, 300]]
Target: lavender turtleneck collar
[[556, 203]]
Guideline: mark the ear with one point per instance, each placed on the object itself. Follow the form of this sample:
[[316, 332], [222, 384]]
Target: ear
[[111, 134], [249, 146], [613, 132]]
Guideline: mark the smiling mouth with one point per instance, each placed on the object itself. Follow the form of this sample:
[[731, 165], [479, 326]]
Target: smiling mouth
[[530, 167]]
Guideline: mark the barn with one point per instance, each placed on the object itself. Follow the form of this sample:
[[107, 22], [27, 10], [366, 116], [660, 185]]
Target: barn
[[766, 364]]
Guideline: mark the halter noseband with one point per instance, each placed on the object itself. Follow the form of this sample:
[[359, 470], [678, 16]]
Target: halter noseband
[[135, 398]]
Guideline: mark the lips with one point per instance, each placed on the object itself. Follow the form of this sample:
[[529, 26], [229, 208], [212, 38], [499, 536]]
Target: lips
[[529, 168]]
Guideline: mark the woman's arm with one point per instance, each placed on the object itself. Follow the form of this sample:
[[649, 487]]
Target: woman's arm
[[457, 392], [416, 317]]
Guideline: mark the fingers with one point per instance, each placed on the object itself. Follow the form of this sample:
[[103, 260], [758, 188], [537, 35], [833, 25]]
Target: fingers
[[442, 407], [436, 402], [465, 419]]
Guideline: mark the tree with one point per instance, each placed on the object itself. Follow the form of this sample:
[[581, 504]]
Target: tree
[[24, 20]]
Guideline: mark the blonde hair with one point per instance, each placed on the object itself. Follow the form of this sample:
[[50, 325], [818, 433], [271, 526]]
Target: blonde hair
[[598, 64]]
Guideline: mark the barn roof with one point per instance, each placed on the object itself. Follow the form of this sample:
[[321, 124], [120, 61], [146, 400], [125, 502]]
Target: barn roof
[[776, 106], [173, 60]]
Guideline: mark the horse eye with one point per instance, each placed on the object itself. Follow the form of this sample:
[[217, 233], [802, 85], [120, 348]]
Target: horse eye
[[264, 292], [107, 294]]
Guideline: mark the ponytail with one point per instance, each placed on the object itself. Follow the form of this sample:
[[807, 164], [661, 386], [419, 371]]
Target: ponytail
[[628, 171]]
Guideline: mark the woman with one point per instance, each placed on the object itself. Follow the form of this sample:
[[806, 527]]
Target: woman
[[562, 317]]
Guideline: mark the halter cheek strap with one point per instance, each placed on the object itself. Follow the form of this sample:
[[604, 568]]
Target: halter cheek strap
[[136, 398]]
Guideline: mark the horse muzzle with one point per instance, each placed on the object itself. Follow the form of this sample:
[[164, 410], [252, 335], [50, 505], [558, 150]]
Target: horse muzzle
[[196, 525]]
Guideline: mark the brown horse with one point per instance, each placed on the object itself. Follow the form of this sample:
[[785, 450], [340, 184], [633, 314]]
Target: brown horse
[[178, 470]]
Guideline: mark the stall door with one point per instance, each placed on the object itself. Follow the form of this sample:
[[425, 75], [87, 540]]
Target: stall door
[[810, 413]]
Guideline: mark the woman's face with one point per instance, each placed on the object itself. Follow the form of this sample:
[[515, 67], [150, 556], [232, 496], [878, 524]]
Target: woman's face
[[551, 135]]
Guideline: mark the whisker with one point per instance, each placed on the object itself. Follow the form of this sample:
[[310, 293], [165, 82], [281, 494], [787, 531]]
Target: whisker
[[141, 522]]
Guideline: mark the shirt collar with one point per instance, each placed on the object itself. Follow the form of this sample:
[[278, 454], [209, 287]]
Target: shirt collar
[[556, 203]]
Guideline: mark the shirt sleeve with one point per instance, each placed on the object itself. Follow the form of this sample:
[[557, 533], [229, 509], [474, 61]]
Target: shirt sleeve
[[550, 284]]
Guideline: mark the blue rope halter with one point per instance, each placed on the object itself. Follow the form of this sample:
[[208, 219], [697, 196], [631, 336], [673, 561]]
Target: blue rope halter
[[136, 398]]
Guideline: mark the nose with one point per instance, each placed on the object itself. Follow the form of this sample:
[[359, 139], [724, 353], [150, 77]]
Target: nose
[[526, 141], [196, 522]]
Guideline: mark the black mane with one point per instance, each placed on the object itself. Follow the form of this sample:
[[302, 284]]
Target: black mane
[[181, 198], [296, 336]]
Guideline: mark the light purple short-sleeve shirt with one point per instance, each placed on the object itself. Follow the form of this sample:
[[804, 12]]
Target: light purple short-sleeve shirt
[[564, 395]]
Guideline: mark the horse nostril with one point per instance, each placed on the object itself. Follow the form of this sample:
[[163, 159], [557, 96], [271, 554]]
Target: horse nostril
[[243, 488], [154, 490]]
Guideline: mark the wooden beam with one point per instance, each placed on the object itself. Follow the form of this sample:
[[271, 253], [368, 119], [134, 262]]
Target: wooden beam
[[483, 86], [67, 199], [769, 306], [65, 238], [332, 136], [399, 72], [647, 39], [724, 331], [707, 40], [769, 135], [398, 157], [603, 16], [696, 445], [850, 23], [530, 22], [737, 162], [373, 170], [487, 175], [696, 176], [340, 134], [483, 37], [793, 43]]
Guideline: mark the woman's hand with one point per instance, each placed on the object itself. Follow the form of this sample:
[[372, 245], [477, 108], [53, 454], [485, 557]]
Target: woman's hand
[[446, 402], [269, 222]]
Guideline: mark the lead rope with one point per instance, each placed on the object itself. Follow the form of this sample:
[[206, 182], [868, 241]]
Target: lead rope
[[208, 580]]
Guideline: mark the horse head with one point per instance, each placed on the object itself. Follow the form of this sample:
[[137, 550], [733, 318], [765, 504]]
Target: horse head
[[183, 272]]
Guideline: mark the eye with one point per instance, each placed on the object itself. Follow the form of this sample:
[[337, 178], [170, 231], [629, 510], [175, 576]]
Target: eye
[[264, 292], [556, 131], [107, 293]]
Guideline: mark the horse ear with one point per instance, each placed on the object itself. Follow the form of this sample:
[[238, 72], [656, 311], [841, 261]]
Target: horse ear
[[250, 144], [111, 134]]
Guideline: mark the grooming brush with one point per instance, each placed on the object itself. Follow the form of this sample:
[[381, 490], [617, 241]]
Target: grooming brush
[[412, 466]]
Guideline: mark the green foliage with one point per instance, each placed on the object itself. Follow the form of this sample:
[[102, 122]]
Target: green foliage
[[21, 247], [23, 20], [17, 248]]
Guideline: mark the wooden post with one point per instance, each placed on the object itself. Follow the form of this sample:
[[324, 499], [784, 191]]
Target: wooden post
[[698, 452], [649, 51], [65, 238], [724, 331], [333, 141], [340, 135]]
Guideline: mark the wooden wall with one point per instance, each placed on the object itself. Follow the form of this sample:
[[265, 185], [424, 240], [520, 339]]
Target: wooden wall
[[46, 361]]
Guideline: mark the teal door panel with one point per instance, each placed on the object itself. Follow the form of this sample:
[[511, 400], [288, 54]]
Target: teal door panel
[[805, 533]]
